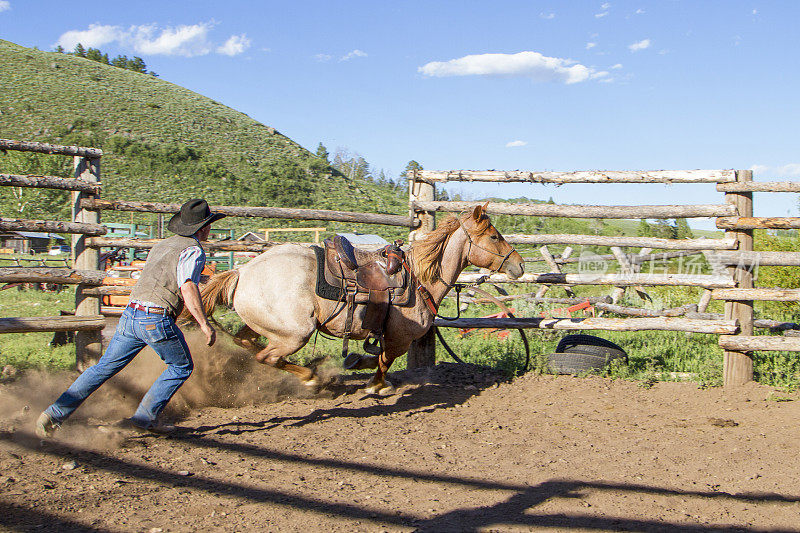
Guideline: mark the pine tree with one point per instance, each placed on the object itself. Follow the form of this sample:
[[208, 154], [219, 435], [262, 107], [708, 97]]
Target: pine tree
[[137, 64], [322, 153], [80, 51], [94, 54], [683, 231], [120, 61], [410, 168]]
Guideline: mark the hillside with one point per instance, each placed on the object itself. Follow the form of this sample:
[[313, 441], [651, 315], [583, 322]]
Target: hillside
[[163, 142]]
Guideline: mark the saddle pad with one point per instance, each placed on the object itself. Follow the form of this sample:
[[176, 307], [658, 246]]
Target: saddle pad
[[324, 289]]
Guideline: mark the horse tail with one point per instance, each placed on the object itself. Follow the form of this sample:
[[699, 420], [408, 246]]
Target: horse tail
[[219, 289]]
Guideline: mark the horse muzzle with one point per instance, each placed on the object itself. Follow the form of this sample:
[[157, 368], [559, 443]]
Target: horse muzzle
[[514, 267]]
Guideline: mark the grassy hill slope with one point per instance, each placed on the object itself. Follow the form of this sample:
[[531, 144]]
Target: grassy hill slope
[[163, 142]]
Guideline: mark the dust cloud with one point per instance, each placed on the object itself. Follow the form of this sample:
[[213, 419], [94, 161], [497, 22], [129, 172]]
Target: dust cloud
[[225, 375]]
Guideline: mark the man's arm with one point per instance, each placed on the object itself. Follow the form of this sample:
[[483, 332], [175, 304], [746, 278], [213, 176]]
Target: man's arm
[[191, 298]]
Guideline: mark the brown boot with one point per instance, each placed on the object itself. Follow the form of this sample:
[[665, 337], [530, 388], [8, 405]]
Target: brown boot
[[46, 425]]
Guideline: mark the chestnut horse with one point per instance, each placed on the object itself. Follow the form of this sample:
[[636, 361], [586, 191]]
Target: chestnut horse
[[274, 293]]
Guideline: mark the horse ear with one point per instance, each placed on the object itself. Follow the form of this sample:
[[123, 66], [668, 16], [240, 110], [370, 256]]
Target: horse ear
[[479, 211]]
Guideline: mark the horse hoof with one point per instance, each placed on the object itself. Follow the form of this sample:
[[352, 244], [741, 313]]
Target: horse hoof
[[381, 389], [313, 384]]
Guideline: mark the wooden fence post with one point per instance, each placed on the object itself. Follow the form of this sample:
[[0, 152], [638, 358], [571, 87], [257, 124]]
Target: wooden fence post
[[738, 366], [422, 352], [88, 344]]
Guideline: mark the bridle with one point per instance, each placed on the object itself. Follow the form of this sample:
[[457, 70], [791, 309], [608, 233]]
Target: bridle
[[426, 295], [473, 243]]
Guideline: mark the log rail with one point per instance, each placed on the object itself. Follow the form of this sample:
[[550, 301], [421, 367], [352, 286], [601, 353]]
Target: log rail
[[257, 212], [49, 182]]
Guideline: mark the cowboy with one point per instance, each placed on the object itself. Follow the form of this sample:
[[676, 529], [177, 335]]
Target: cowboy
[[168, 281]]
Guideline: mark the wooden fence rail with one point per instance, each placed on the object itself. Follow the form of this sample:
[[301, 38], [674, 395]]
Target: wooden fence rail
[[592, 176], [258, 212], [759, 186], [717, 327], [585, 211], [208, 246], [52, 323], [752, 259], [762, 294], [49, 182], [608, 240], [44, 148], [47, 226], [621, 280], [749, 343], [747, 223], [67, 276]]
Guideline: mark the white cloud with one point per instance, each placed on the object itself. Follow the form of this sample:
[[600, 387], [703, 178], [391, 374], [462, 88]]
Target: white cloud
[[617, 66], [97, 35], [605, 6], [186, 41], [351, 55], [547, 16], [513, 144], [640, 11], [600, 15], [523, 64], [791, 170], [755, 11], [5, 5], [323, 57], [641, 45], [235, 45], [589, 46], [150, 39]]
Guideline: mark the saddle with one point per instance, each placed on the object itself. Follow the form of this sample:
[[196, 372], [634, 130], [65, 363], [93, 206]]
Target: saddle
[[374, 278]]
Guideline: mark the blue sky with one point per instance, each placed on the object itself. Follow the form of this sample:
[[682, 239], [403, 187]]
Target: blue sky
[[501, 85]]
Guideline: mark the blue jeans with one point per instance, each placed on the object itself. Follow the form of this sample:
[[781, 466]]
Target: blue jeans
[[135, 330]]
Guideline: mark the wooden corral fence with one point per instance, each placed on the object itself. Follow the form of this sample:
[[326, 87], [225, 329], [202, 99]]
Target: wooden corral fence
[[88, 238], [731, 281], [732, 258]]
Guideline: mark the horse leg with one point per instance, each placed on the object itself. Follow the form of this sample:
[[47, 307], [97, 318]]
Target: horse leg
[[379, 384], [275, 355], [247, 339]]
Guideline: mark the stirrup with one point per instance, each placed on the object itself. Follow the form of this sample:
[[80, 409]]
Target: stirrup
[[373, 345]]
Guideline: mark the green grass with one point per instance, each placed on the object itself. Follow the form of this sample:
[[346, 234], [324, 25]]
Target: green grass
[[653, 355], [33, 350]]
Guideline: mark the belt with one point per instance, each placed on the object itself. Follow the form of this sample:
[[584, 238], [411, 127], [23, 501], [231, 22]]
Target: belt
[[150, 310]]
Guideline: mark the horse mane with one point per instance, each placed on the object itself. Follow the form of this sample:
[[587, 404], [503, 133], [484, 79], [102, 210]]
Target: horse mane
[[427, 253]]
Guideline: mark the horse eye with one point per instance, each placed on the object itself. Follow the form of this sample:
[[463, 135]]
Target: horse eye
[[493, 237]]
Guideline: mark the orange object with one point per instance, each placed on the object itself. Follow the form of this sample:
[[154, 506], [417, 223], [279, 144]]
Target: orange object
[[499, 332], [583, 306]]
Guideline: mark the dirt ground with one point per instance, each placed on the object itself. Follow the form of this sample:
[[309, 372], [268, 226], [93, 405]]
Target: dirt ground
[[458, 448]]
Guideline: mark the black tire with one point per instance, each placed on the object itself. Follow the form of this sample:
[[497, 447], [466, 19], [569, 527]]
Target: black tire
[[571, 341], [591, 345], [575, 362]]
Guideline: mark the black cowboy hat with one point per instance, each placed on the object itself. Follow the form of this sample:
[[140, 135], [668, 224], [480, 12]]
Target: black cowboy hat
[[193, 216]]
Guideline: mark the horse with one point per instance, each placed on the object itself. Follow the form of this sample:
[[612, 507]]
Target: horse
[[274, 294]]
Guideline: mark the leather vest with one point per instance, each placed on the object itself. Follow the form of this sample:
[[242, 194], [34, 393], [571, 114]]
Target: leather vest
[[158, 283]]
